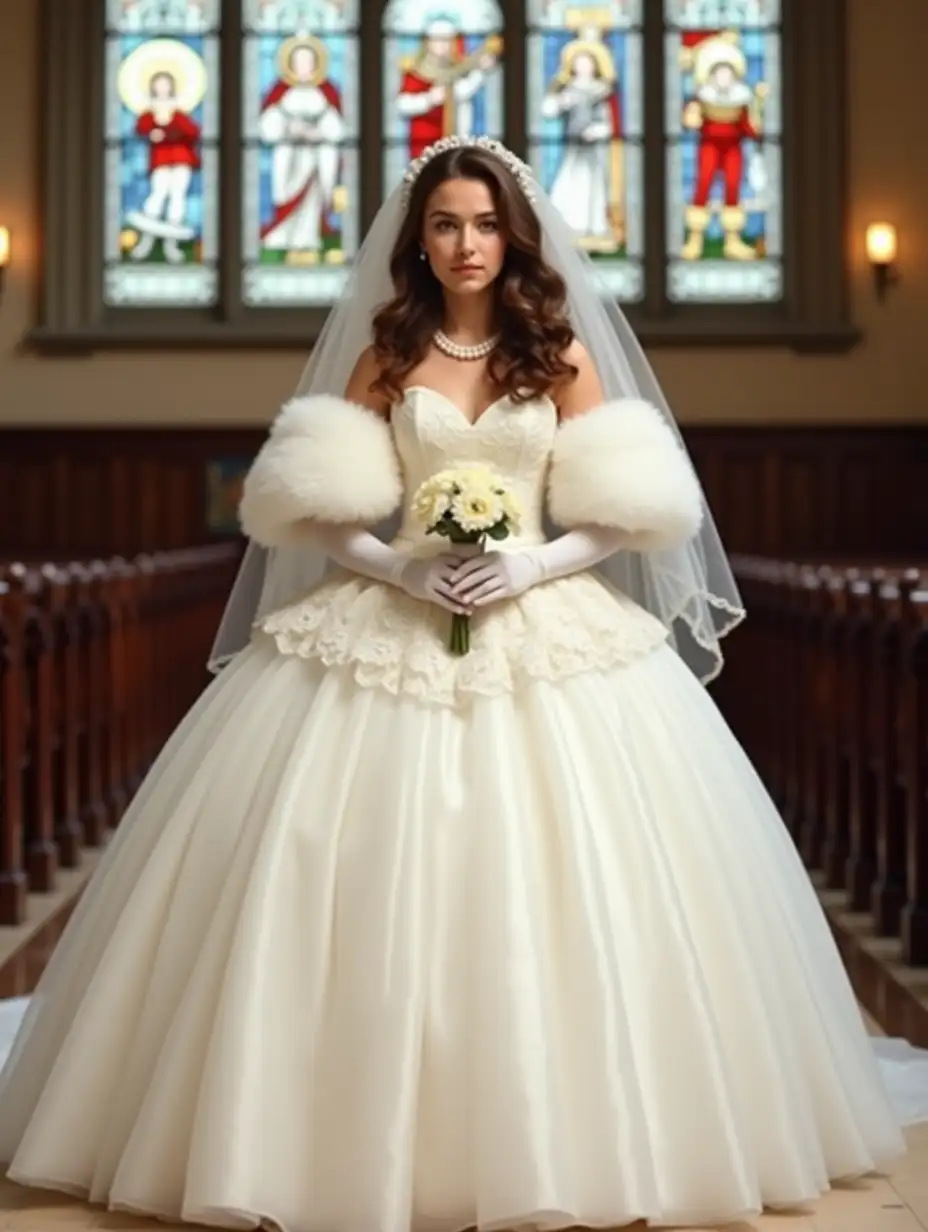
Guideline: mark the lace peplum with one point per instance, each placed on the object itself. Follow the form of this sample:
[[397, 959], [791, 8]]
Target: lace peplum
[[391, 641]]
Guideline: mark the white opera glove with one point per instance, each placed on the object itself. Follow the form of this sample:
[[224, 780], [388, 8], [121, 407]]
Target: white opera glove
[[427, 578], [504, 575], [431, 579]]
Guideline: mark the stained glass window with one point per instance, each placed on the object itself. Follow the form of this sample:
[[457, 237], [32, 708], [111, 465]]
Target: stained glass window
[[442, 75], [300, 164], [655, 125], [724, 166], [585, 126], [161, 158]]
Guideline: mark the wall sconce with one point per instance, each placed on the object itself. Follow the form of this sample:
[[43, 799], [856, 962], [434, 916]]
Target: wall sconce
[[881, 252], [4, 253]]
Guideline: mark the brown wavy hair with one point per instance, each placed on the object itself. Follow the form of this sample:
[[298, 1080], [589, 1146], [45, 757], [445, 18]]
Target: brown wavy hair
[[531, 297]]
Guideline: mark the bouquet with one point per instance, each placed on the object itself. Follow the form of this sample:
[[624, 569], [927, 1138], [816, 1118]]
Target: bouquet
[[466, 505]]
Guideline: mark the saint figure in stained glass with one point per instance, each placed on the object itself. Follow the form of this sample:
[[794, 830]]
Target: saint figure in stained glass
[[162, 83], [440, 82], [724, 164], [303, 125], [726, 113], [589, 184], [442, 76], [300, 119], [585, 103], [161, 122]]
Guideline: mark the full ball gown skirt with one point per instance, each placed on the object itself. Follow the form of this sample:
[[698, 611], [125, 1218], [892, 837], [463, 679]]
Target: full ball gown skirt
[[378, 946]]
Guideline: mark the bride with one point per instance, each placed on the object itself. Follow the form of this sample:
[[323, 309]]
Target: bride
[[393, 937]]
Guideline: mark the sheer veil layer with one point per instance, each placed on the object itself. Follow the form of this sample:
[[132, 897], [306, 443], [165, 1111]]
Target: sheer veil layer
[[691, 588]]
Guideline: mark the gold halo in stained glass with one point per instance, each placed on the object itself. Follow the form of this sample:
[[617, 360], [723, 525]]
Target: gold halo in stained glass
[[169, 56]]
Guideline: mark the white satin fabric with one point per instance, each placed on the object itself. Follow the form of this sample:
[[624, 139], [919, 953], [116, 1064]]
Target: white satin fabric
[[362, 961], [355, 963]]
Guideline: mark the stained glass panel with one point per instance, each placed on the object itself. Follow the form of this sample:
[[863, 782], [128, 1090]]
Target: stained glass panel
[[161, 162], [301, 131], [585, 128], [442, 75], [724, 164]]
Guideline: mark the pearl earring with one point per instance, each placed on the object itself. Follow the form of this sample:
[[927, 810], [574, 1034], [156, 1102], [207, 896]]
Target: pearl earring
[[423, 255]]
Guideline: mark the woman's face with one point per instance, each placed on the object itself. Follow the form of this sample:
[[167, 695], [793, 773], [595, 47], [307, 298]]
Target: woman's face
[[584, 67], [461, 236], [440, 46], [162, 86], [303, 63]]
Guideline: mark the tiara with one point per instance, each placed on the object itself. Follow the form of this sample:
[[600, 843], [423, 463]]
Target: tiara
[[520, 170]]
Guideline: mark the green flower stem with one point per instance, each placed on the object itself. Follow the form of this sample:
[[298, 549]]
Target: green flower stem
[[460, 634], [460, 624]]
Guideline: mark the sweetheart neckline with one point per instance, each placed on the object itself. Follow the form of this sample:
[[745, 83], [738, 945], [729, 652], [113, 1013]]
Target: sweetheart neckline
[[468, 423]]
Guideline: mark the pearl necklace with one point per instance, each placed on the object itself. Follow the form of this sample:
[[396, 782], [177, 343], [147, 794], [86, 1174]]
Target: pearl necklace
[[456, 351]]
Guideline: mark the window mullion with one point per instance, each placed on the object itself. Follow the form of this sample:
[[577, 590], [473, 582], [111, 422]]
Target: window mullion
[[370, 154], [231, 164], [515, 117], [94, 149], [654, 304], [72, 40]]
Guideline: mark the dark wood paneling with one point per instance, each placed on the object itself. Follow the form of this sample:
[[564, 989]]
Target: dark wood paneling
[[777, 491], [79, 492], [813, 491]]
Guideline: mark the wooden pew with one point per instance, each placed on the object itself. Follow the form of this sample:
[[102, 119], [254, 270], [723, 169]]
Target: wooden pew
[[99, 661], [827, 686]]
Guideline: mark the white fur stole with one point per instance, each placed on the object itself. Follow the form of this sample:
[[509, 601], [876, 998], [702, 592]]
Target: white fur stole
[[621, 466], [326, 460]]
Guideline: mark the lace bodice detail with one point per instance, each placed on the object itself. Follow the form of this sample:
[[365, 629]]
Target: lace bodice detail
[[387, 640], [431, 433]]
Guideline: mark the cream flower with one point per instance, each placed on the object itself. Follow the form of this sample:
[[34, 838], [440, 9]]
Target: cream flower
[[430, 506], [442, 481], [475, 496], [432, 499], [477, 509]]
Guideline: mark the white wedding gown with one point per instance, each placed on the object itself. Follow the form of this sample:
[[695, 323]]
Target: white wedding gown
[[390, 939]]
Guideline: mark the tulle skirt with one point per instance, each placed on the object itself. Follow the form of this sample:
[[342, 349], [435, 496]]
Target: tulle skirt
[[355, 963]]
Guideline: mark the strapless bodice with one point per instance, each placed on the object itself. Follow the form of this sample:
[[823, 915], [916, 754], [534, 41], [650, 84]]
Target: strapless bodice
[[432, 433]]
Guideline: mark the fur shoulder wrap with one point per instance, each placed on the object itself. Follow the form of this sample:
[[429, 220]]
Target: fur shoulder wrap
[[326, 460], [621, 466]]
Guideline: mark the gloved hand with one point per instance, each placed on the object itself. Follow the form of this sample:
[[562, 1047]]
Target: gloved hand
[[358, 550], [504, 575], [430, 578], [495, 576]]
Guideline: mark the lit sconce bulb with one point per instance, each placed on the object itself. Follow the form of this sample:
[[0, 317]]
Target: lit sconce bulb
[[881, 253], [881, 243]]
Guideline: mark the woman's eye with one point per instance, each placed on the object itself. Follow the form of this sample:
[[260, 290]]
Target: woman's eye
[[490, 225]]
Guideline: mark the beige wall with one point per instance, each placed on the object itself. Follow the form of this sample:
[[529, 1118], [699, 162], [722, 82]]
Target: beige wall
[[884, 379]]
